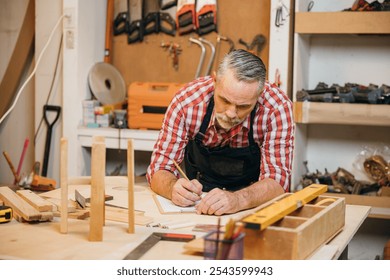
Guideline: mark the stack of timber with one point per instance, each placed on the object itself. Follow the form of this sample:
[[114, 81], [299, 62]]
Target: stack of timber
[[26, 205]]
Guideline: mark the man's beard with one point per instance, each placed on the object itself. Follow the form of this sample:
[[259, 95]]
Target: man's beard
[[226, 122]]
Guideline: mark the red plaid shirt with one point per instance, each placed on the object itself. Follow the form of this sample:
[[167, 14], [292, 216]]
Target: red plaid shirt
[[273, 130]]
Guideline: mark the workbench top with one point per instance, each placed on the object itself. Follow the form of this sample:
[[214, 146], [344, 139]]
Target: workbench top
[[43, 241]]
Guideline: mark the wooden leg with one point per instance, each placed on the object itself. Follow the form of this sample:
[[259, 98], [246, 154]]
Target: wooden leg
[[64, 185], [130, 178], [98, 167], [101, 139]]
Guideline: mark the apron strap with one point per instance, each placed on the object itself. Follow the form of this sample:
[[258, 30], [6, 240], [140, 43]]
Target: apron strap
[[206, 120]]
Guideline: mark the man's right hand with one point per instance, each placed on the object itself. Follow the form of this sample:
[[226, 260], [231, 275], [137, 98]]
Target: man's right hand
[[186, 193]]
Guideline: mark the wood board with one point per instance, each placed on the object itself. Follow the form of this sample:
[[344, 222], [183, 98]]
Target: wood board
[[22, 211]]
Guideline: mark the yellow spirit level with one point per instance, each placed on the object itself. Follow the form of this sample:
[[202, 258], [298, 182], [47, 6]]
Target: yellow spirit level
[[5, 214]]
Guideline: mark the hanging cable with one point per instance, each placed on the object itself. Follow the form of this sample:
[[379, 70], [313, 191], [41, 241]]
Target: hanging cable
[[51, 86], [33, 72]]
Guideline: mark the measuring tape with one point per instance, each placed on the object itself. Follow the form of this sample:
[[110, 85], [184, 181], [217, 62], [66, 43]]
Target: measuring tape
[[5, 214]]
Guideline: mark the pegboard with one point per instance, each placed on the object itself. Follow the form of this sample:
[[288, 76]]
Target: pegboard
[[147, 61]]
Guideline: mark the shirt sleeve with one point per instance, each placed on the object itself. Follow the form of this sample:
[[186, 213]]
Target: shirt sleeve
[[277, 148], [171, 141]]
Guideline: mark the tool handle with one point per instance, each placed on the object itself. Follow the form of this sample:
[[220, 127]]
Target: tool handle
[[167, 24], [121, 23], [136, 32], [47, 108], [22, 156], [53, 108], [11, 166], [109, 31], [47, 150]]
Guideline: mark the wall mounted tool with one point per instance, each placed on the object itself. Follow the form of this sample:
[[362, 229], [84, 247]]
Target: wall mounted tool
[[202, 55]]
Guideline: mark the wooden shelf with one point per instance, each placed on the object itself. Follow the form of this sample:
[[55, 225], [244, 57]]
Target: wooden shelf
[[380, 205], [143, 140], [341, 113], [342, 22]]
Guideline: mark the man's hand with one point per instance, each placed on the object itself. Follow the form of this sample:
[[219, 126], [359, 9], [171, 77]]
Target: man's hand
[[218, 202], [186, 193]]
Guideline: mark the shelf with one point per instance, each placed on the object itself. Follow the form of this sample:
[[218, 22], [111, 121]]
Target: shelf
[[143, 140], [342, 22], [341, 113]]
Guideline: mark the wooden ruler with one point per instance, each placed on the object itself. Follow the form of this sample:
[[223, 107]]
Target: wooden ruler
[[276, 211]]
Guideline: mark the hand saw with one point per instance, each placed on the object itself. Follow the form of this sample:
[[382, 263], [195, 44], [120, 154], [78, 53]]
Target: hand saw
[[155, 21], [185, 16], [121, 21], [136, 25], [167, 16], [206, 16]]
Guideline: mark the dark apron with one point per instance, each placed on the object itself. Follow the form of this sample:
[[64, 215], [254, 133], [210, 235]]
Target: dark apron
[[222, 167]]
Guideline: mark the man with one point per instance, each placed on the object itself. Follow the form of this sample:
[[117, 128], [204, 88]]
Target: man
[[235, 135]]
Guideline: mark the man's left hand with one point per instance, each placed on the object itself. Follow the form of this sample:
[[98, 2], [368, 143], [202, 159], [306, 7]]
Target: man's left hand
[[218, 202]]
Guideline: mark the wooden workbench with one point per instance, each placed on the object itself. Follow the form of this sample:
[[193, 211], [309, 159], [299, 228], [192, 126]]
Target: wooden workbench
[[43, 241]]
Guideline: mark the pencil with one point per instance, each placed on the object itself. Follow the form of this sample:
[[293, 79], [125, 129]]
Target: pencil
[[217, 239], [180, 170], [183, 174]]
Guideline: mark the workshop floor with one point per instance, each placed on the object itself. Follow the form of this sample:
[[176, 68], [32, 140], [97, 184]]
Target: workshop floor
[[369, 242]]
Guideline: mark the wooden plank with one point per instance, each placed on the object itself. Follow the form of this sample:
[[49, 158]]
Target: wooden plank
[[12, 76], [274, 212], [64, 185], [122, 215], [35, 200], [380, 205], [374, 201], [80, 214], [57, 204], [341, 113], [342, 23], [19, 206], [98, 169], [130, 178]]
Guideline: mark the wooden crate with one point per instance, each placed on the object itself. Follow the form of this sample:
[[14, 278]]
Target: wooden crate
[[298, 234]]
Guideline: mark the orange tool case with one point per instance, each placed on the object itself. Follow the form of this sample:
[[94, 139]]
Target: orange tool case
[[148, 102]]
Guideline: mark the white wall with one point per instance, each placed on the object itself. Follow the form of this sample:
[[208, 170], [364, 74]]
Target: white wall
[[19, 124], [89, 34], [48, 13]]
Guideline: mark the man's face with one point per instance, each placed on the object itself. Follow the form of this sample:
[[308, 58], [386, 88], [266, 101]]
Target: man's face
[[234, 100]]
